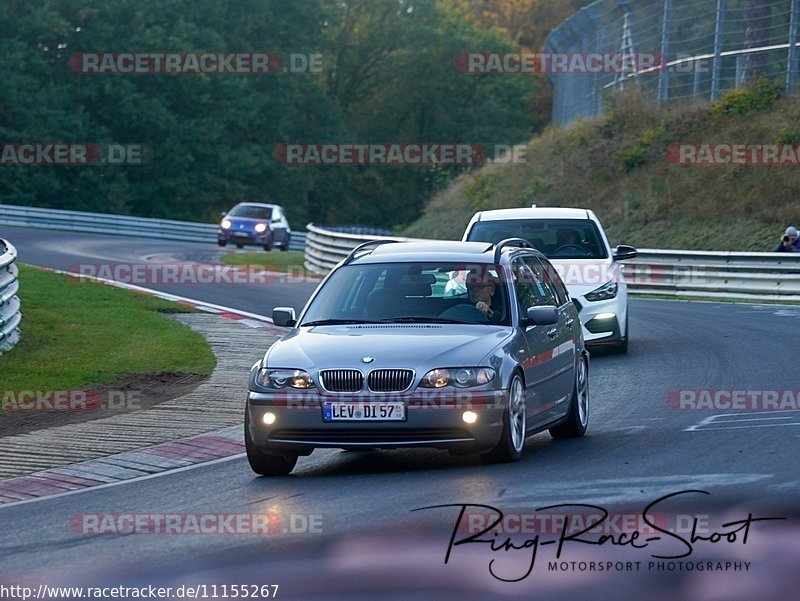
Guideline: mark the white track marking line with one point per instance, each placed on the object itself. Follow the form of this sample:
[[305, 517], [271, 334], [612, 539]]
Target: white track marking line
[[757, 413], [753, 419], [721, 421], [743, 427], [167, 295]]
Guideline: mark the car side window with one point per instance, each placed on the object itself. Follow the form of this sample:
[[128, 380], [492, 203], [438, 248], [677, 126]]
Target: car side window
[[529, 286], [545, 294], [551, 279]]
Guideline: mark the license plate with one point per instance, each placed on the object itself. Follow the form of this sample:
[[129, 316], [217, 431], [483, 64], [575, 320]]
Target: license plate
[[244, 234], [364, 412]]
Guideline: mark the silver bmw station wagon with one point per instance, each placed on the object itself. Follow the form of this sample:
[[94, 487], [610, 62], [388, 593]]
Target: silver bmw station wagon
[[467, 346]]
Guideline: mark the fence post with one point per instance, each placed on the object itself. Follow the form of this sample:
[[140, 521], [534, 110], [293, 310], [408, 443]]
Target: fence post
[[698, 69], [626, 47], [739, 69], [599, 46], [663, 79], [717, 50], [791, 74]]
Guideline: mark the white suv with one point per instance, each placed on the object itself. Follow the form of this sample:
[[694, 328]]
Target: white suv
[[574, 241]]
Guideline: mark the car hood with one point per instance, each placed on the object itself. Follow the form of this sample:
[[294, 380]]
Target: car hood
[[581, 276], [415, 346]]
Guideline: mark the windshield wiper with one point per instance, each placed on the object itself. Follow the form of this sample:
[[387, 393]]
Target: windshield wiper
[[422, 320], [336, 322]]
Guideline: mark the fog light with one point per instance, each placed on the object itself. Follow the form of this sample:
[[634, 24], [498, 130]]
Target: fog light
[[268, 419], [469, 417], [605, 316]]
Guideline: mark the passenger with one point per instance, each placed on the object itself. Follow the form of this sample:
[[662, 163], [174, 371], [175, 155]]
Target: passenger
[[456, 285]]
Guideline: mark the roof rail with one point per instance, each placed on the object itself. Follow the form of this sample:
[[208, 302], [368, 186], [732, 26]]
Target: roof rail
[[365, 246], [520, 242]]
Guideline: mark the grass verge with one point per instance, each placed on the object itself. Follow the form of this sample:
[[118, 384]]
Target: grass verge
[[285, 262], [619, 165], [76, 334]]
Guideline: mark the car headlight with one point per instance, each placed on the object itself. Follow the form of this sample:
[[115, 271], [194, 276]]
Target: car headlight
[[281, 378], [261, 227], [225, 225], [461, 377], [604, 292]]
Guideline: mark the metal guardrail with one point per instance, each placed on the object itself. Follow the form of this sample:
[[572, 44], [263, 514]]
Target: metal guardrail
[[682, 273], [326, 247], [118, 225], [9, 303], [709, 274]]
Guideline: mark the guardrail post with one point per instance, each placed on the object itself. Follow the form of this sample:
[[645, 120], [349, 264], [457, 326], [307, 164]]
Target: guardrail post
[[9, 303], [663, 78], [791, 73], [718, 31]]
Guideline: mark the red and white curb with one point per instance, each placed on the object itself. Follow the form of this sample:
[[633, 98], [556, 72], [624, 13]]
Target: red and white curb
[[130, 465], [147, 462]]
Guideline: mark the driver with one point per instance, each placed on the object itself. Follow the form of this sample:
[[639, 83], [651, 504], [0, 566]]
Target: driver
[[480, 290], [565, 237]]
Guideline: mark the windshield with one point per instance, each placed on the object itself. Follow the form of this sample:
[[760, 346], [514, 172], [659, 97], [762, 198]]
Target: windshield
[[251, 212], [411, 293], [555, 238]]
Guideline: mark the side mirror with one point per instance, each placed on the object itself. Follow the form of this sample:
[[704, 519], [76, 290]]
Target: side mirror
[[284, 317], [623, 252], [223, 213], [540, 316]]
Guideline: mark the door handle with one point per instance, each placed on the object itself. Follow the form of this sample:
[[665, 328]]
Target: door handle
[[552, 332], [569, 322]]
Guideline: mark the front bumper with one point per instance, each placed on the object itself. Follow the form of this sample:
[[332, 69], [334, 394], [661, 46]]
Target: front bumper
[[243, 237], [608, 330], [430, 422]]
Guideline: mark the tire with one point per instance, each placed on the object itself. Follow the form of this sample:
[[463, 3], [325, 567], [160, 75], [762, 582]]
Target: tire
[[285, 247], [269, 243], [240, 246], [222, 243], [262, 463], [578, 418], [512, 439]]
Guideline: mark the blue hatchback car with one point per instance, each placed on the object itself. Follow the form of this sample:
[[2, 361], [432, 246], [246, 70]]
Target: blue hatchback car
[[255, 224]]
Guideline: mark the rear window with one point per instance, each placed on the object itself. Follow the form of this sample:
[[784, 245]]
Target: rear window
[[555, 238]]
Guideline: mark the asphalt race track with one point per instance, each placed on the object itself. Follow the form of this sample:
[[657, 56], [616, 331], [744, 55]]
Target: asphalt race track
[[638, 449], [68, 251]]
